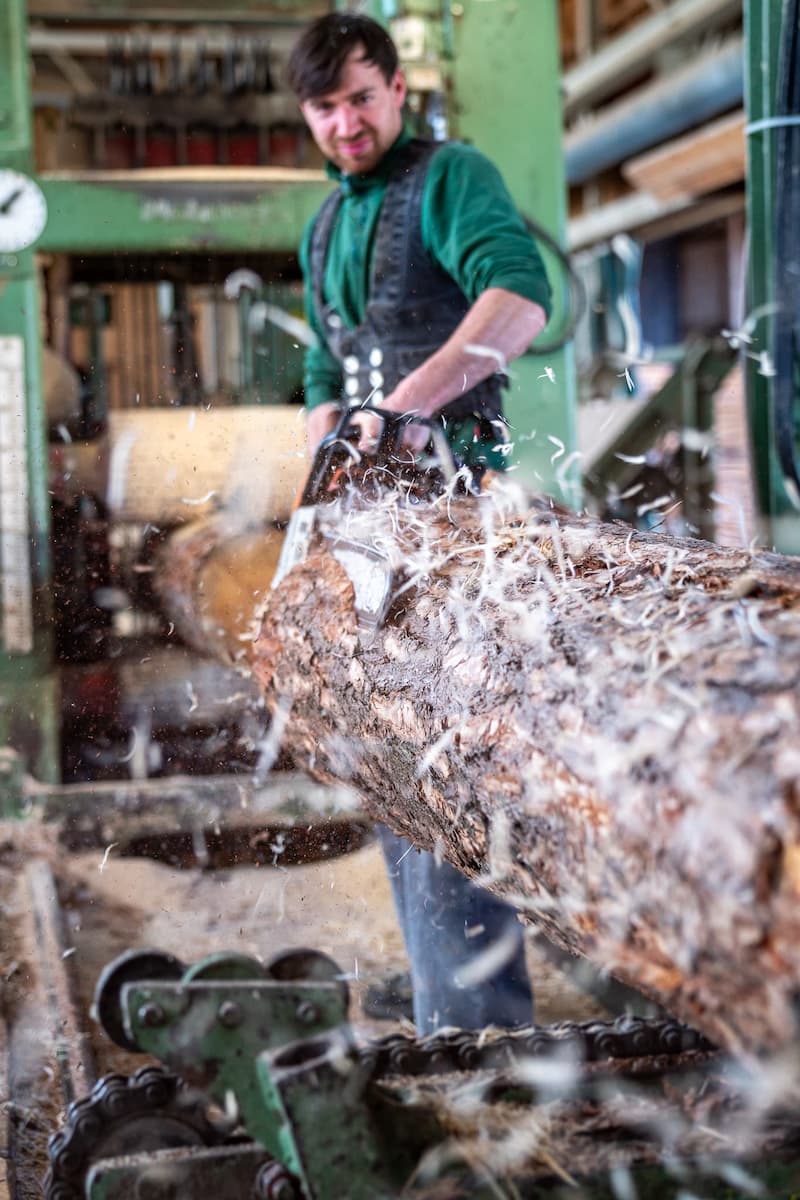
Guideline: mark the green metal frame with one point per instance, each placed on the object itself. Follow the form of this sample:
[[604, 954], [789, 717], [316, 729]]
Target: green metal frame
[[507, 102], [28, 688], [106, 218], [214, 1031], [284, 1051], [780, 521]]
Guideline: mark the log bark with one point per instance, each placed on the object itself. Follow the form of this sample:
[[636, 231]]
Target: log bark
[[599, 724]]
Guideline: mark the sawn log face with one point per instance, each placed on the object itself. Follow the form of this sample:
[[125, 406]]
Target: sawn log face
[[602, 725]]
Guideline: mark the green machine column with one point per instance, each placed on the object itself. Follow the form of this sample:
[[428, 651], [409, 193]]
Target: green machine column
[[507, 103], [27, 682], [780, 520]]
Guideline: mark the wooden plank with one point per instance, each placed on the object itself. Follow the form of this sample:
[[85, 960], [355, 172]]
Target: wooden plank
[[49, 1060], [693, 165], [735, 514]]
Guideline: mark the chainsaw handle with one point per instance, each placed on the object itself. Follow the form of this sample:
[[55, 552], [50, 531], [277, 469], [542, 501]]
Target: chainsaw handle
[[340, 446], [333, 452], [393, 424]]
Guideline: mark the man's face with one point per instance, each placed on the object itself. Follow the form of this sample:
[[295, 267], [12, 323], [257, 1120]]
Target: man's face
[[357, 123]]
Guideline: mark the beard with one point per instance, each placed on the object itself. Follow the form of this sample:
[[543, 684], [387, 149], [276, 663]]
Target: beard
[[369, 153]]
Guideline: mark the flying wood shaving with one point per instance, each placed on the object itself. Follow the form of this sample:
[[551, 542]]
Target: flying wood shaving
[[200, 499], [489, 962], [103, 864], [271, 744], [661, 502], [488, 352]]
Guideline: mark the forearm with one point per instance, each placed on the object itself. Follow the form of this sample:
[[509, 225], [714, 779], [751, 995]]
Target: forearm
[[499, 327]]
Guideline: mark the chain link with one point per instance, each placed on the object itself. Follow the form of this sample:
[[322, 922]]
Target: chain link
[[590, 1042]]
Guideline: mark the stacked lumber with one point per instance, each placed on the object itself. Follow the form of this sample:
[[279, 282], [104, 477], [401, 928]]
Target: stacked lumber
[[695, 164]]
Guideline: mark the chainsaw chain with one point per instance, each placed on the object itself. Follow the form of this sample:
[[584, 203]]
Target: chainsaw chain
[[625, 1038]]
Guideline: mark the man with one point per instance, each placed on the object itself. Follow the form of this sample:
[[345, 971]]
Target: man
[[421, 280]]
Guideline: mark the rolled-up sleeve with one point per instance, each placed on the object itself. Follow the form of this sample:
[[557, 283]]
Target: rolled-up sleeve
[[473, 229], [322, 374]]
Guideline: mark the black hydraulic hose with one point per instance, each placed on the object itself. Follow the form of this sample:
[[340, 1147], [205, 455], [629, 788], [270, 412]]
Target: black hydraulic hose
[[577, 291], [786, 328]]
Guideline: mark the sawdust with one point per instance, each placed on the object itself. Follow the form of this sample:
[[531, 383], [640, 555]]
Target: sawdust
[[578, 1139], [30, 1098]]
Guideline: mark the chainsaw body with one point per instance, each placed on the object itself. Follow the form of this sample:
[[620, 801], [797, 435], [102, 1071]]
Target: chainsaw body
[[341, 468]]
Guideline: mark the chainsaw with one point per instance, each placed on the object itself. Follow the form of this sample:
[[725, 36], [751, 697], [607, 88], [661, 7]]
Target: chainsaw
[[342, 466]]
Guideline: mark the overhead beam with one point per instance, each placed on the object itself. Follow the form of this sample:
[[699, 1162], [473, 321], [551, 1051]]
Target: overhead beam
[[673, 103], [94, 43], [196, 214], [648, 218], [279, 12], [623, 58]]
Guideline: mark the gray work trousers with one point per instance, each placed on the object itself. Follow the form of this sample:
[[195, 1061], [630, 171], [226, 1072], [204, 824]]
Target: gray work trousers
[[466, 947]]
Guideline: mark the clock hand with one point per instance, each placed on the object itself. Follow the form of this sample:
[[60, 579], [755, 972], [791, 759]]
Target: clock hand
[[10, 201]]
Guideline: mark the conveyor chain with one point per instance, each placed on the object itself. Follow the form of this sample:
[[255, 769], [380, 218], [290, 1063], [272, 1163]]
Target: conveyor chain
[[589, 1042]]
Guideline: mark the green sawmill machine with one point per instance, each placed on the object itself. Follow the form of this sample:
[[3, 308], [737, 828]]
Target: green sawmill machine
[[265, 1090], [127, 219]]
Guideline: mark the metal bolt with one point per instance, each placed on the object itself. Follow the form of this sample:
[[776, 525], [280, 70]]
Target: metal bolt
[[307, 1013], [152, 1015], [230, 1014]]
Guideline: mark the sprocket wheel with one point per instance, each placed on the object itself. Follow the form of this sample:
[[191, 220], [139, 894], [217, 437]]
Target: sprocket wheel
[[151, 1110]]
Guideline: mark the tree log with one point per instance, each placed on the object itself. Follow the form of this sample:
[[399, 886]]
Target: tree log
[[600, 724], [212, 581]]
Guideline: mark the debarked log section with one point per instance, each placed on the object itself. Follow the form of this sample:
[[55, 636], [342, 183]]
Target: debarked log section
[[600, 724]]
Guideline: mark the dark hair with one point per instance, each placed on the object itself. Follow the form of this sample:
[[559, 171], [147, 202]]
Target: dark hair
[[319, 55]]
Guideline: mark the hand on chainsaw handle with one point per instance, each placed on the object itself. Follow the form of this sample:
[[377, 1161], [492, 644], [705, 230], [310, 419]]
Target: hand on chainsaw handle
[[415, 436], [323, 419], [320, 421]]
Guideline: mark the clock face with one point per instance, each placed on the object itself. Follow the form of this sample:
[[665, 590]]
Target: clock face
[[23, 211]]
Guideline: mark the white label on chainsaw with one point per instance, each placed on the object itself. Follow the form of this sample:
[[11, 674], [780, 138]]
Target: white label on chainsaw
[[371, 578], [15, 561], [296, 542]]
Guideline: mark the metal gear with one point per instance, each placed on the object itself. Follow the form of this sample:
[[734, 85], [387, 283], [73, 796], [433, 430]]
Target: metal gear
[[151, 1110]]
